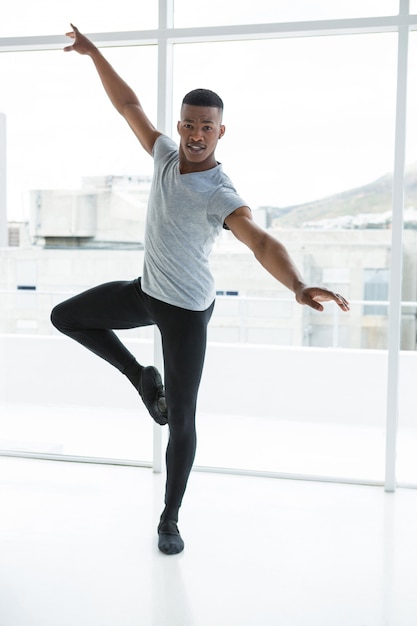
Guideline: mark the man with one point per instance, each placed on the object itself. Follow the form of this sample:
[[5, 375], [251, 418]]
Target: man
[[191, 200]]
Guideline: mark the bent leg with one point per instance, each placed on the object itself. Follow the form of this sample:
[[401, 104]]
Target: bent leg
[[91, 316]]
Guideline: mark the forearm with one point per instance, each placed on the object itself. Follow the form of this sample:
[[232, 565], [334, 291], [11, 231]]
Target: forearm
[[268, 251], [121, 95], [274, 257], [118, 91]]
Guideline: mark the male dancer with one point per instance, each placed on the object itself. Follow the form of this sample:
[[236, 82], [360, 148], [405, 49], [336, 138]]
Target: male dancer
[[191, 200]]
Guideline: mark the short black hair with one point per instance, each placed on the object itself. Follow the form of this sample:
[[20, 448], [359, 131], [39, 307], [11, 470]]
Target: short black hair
[[203, 98]]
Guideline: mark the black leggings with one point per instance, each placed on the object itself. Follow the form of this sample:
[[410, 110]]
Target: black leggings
[[90, 318]]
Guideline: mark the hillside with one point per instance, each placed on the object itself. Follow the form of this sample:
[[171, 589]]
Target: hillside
[[372, 199]]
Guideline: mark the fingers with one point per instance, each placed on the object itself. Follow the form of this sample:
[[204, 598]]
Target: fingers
[[342, 302], [315, 295], [72, 34]]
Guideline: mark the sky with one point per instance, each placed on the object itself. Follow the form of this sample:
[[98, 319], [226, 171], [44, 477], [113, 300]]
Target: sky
[[305, 118]]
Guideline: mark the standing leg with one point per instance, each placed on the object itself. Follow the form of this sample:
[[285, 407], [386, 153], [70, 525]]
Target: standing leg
[[184, 335]]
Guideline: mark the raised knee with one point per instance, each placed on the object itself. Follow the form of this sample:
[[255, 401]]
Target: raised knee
[[56, 317], [53, 317]]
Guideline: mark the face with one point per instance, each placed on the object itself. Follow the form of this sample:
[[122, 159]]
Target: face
[[200, 129]]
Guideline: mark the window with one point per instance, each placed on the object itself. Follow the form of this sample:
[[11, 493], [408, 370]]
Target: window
[[264, 11], [318, 114], [376, 284], [47, 17], [60, 126]]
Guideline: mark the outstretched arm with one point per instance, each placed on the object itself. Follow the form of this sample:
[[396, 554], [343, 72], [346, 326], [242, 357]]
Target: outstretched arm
[[274, 257], [121, 95]]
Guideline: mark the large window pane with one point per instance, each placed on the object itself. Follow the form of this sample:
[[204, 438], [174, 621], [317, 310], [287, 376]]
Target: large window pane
[[265, 11], [46, 17], [309, 142], [309, 145], [60, 125], [69, 149]]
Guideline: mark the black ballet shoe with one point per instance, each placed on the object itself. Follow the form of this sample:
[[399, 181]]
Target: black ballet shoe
[[169, 540], [152, 392]]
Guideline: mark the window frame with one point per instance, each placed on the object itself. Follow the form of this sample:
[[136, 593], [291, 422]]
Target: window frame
[[166, 36]]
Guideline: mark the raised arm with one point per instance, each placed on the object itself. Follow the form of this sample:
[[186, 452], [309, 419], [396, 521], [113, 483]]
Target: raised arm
[[274, 257], [121, 95]]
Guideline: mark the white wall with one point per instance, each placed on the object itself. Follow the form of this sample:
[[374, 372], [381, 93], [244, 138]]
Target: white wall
[[312, 385]]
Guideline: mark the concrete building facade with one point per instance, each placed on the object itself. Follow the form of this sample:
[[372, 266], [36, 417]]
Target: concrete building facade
[[79, 238], [251, 307]]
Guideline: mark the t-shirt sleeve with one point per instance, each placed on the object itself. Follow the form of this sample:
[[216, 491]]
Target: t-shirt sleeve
[[224, 201], [163, 146]]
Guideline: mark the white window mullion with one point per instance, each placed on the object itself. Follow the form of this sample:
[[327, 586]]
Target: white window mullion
[[164, 124], [394, 328], [165, 69]]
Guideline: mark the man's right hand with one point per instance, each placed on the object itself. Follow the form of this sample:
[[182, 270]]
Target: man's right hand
[[81, 44]]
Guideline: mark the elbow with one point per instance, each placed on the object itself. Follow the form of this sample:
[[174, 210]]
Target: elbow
[[259, 246]]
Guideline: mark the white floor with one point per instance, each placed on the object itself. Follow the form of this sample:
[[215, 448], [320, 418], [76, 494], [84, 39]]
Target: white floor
[[78, 548]]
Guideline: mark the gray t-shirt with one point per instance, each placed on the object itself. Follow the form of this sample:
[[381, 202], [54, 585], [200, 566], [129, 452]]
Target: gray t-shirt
[[186, 212]]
